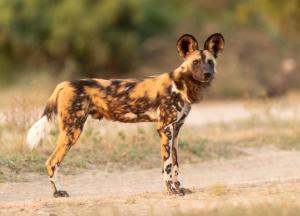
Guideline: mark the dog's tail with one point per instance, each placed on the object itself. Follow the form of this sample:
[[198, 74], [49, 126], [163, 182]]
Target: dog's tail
[[40, 129]]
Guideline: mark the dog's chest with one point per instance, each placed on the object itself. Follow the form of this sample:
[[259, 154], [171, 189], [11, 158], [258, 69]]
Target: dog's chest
[[183, 112]]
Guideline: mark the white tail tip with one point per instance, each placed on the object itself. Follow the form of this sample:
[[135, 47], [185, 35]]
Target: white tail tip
[[37, 132]]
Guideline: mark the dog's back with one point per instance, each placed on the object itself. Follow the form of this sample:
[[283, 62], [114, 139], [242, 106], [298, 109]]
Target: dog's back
[[124, 100]]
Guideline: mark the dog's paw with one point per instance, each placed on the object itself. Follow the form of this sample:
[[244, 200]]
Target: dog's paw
[[170, 188], [60, 194], [178, 189]]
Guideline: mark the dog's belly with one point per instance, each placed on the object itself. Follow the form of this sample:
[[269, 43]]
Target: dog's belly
[[148, 116], [125, 114], [131, 116]]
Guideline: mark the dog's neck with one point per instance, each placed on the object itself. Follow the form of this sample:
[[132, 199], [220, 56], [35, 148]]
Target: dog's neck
[[194, 88]]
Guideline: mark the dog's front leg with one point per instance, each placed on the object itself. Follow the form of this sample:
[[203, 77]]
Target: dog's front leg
[[175, 166], [166, 133]]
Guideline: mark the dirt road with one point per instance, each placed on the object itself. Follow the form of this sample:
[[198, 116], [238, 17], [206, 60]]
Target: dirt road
[[265, 174]]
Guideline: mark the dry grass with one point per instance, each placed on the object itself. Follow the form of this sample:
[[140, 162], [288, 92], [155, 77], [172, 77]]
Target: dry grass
[[104, 145], [113, 145]]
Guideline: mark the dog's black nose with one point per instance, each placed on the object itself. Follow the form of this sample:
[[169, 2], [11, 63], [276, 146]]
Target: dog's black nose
[[207, 76]]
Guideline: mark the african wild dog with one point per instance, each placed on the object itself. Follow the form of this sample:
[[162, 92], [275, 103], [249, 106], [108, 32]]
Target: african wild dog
[[165, 99]]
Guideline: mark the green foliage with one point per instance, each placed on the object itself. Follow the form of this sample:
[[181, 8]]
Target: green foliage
[[91, 35], [109, 38]]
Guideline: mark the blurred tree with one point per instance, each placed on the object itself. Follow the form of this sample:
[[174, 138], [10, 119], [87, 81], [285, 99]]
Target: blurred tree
[[92, 35], [109, 38]]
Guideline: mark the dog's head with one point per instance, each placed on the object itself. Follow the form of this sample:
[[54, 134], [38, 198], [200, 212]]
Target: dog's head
[[200, 63]]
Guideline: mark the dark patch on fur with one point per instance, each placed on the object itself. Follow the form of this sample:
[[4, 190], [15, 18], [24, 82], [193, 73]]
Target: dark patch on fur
[[80, 84], [203, 56], [50, 110], [179, 85], [130, 85], [168, 168]]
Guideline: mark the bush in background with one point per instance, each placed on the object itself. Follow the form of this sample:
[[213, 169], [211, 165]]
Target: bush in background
[[111, 38]]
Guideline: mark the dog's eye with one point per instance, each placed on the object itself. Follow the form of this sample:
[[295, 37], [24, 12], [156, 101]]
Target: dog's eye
[[195, 62], [210, 62]]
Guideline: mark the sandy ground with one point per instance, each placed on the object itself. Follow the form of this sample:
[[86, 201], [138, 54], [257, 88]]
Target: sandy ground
[[264, 175]]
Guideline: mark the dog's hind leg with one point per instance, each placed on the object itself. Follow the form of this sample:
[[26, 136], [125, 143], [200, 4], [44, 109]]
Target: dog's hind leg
[[71, 129], [66, 139], [72, 108]]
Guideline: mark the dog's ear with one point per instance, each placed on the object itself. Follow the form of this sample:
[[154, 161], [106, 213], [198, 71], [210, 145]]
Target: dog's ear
[[186, 44], [215, 44]]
